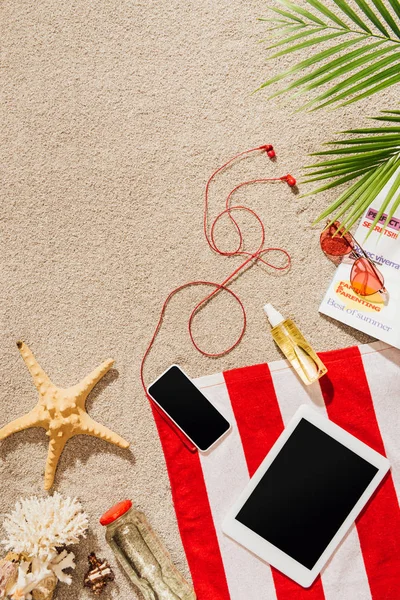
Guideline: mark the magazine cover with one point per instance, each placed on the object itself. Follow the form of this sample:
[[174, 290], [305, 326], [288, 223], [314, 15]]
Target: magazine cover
[[378, 313]]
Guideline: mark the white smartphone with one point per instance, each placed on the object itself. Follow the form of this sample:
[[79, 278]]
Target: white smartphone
[[188, 408]]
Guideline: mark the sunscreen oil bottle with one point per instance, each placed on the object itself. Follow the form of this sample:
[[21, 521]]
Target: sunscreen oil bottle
[[295, 347]]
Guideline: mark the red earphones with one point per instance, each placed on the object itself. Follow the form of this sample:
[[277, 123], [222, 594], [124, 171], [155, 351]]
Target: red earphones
[[260, 254], [269, 149]]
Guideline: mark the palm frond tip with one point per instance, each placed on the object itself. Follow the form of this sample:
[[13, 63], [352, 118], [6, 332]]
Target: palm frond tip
[[372, 66], [371, 158]]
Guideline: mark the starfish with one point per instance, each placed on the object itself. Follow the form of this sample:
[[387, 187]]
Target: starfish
[[61, 412]]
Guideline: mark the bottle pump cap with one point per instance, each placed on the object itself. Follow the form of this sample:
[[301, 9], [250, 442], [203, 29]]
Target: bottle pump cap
[[274, 317], [115, 512]]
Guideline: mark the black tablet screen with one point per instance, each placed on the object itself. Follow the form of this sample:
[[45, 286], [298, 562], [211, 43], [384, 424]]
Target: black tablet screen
[[306, 494]]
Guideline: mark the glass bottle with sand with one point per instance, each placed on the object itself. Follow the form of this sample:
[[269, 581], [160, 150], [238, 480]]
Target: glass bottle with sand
[[143, 556]]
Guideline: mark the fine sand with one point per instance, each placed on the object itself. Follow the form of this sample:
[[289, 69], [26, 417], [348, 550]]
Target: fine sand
[[114, 114]]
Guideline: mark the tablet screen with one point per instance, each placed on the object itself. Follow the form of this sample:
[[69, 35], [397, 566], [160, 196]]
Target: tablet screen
[[306, 494]]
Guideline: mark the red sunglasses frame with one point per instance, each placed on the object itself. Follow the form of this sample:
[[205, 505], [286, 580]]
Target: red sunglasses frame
[[351, 246]]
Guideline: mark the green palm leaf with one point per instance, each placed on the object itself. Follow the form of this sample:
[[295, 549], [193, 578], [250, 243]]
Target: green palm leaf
[[372, 66], [370, 158]]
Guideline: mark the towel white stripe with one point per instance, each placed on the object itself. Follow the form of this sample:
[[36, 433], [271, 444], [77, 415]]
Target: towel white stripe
[[381, 369], [226, 474], [347, 563]]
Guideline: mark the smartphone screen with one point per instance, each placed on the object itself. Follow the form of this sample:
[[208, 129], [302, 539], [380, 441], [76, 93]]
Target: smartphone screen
[[190, 410]]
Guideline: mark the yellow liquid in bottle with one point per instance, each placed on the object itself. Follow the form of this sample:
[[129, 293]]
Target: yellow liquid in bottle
[[298, 351]]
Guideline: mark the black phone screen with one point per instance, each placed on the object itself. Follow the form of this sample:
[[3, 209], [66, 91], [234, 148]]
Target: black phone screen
[[189, 408]]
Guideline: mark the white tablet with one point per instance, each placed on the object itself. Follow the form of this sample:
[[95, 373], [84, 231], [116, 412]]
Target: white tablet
[[305, 495]]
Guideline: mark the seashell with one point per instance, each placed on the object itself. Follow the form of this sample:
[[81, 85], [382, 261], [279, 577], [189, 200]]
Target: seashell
[[8, 575], [45, 590]]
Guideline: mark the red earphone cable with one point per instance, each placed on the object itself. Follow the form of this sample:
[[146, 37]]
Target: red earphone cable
[[250, 256]]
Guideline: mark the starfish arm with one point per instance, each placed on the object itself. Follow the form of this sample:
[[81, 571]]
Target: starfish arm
[[56, 446], [87, 384], [38, 375], [25, 422], [90, 427]]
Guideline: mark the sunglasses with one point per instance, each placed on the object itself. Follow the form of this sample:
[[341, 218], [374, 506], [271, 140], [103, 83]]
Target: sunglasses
[[365, 277]]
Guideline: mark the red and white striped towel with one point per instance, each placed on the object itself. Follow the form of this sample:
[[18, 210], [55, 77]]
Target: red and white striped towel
[[362, 394]]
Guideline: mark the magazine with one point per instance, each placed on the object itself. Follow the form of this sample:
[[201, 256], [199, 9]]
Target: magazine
[[377, 315]]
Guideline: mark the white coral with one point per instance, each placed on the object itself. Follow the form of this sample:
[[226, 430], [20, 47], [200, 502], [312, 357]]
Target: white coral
[[32, 573], [38, 526], [64, 560], [28, 579]]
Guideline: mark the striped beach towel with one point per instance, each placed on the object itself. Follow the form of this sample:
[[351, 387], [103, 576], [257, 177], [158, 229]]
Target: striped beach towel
[[361, 393]]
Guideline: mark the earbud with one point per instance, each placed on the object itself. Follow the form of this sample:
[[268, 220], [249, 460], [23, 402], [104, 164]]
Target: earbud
[[269, 149], [290, 180]]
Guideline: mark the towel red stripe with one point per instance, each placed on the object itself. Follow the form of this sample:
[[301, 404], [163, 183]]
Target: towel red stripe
[[255, 405], [349, 404], [194, 516]]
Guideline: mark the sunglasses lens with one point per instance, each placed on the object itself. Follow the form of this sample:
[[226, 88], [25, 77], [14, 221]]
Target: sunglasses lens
[[365, 278], [333, 242]]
